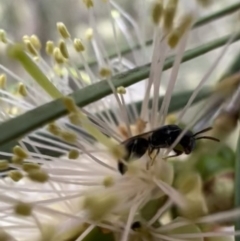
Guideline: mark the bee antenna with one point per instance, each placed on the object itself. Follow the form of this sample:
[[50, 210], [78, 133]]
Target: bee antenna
[[208, 137], [202, 131]]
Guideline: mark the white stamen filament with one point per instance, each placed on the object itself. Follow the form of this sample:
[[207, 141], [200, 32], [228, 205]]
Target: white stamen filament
[[85, 233], [126, 115], [156, 50], [173, 194], [133, 23], [162, 52], [105, 125], [207, 234], [160, 212], [123, 28], [165, 237], [206, 77], [173, 78], [114, 32], [130, 219], [98, 42]]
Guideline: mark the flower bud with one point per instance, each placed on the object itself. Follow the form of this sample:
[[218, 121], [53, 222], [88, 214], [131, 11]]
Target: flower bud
[[219, 192], [190, 185]]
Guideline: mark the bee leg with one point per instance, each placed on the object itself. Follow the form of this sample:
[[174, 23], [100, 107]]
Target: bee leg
[[122, 168], [178, 153], [150, 150], [152, 162]]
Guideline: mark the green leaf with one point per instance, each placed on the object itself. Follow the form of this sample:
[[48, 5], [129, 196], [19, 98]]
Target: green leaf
[[209, 164], [237, 185], [15, 128]]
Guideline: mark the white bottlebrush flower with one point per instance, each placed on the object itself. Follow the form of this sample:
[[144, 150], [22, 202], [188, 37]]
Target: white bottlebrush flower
[[68, 184]]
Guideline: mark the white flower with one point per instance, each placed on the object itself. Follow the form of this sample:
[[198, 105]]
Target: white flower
[[68, 184]]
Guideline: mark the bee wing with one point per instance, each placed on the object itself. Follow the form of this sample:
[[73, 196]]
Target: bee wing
[[145, 134]]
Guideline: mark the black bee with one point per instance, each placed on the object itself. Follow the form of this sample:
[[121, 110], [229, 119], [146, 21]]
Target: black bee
[[162, 137], [136, 226]]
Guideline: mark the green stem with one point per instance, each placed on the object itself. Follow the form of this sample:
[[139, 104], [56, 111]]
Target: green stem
[[237, 185], [15, 128], [178, 101], [231, 9], [202, 21]]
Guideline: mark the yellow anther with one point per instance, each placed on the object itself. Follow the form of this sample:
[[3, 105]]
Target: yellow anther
[[115, 14], [31, 48], [3, 80], [59, 70], [105, 72], [70, 104], [4, 236], [74, 118], [108, 181], [113, 147], [36, 58], [15, 175], [54, 129], [89, 34], [121, 90], [17, 160], [35, 42], [63, 49], [88, 3], [205, 3], [22, 90], [3, 165], [38, 176], [27, 167], [78, 45], [25, 37], [49, 47], [186, 22], [69, 136], [3, 36], [85, 77], [118, 151], [73, 154], [58, 57], [157, 11], [177, 33], [13, 111], [171, 119], [174, 38], [228, 84], [140, 126], [20, 152], [169, 14], [62, 29], [23, 209]]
